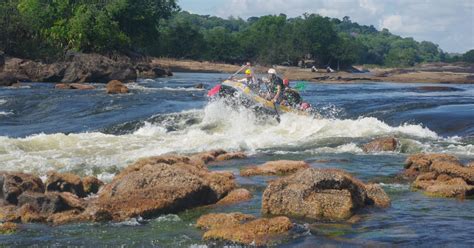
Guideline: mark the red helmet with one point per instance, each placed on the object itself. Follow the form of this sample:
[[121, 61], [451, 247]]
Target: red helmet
[[305, 106], [286, 82]]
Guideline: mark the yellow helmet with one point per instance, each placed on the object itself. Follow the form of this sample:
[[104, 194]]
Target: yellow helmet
[[248, 72]]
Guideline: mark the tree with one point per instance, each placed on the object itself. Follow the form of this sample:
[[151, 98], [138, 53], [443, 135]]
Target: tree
[[468, 56]]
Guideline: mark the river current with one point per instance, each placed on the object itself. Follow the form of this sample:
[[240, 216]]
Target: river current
[[92, 133]]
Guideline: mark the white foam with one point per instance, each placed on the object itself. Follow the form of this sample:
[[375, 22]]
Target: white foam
[[168, 218], [5, 113], [139, 87], [221, 127], [3, 101]]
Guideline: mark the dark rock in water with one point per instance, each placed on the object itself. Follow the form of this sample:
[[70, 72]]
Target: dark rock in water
[[2, 60], [279, 167], [14, 184], [230, 156], [244, 229], [116, 87], [91, 184], [161, 185], [199, 86], [77, 86], [62, 86], [44, 203], [65, 182], [235, 196], [325, 194], [388, 144], [147, 70], [438, 88], [441, 175], [96, 68], [8, 78]]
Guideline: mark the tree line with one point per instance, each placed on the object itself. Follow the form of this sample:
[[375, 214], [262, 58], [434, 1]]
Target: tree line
[[46, 29]]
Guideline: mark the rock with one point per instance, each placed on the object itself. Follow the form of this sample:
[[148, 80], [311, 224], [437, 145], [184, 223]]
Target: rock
[[8, 228], [14, 184], [97, 68], [62, 86], [147, 70], [454, 169], [470, 164], [381, 145], [235, 196], [222, 220], [8, 213], [29, 214], [323, 194], [199, 86], [77, 86], [91, 185], [44, 203], [207, 157], [455, 187], [116, 87], [65, 217], [421, 162], [231, 155], [8, 79], [152, 187], [2, 60], [377, 195], [256, 232], [65, 182], [278, 167]]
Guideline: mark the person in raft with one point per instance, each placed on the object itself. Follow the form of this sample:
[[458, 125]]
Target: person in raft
[[291, 97], [275, 86], [250, 80]]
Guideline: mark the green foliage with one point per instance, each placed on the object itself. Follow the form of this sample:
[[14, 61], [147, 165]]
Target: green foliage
[[48, 28]]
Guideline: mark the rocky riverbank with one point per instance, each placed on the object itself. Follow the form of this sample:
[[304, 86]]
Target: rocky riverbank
[[79, 68]]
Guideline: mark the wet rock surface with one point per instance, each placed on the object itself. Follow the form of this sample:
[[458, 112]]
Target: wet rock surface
[[243, 229], [280, 167], [441, 175], [322, 194], [236, 196], [13, 184], [387, 144], [116, 87]]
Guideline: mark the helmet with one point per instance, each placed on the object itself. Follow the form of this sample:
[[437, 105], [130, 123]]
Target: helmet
[[272, 71], [286, 82], [248, 72]]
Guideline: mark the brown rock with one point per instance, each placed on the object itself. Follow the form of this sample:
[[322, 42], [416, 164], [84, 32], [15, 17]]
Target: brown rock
[[65, 217], [231, 155], [152, 186], [377, 195], [63, 86], [454, 169], [77, 86], [279, 167], [381, 145], [319, 194], [207, 157], [91, 185], [8, 228], [470, 164], [14, 184], [235, 196], [421, 162], [455, 187], [257, 232], [8, 213], [220, 220], [28, 214], [44, 203], [65, 182], [116, 87]]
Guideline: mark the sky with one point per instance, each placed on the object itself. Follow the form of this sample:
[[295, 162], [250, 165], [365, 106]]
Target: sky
[[448, 23]]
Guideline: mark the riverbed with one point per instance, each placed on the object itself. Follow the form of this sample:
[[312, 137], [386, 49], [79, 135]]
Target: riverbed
[[92, 133]]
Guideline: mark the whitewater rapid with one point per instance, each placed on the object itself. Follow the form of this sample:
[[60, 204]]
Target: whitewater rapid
[[219, 126]]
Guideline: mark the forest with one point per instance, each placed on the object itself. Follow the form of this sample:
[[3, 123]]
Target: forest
[[48, 29]]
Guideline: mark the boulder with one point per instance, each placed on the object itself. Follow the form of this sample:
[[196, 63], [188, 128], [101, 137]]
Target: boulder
[[209, 156], [65, 182], [322, 194], [231, 155], [421, 162], [8, 228], [222, 220], [454, 169], [199, 86], [97, 68], [388, 144], [29, 214], [44, 203], [62, 86], [377, 196], [443, 185], [77, 86], [13, 184], [257, 232], [279, 167], [235, 196], [8, 78], [147, 70], [116, 87], [91, 185], [153, 186]]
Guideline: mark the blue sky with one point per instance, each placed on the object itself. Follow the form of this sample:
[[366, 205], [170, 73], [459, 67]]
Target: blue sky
[[449, 23]]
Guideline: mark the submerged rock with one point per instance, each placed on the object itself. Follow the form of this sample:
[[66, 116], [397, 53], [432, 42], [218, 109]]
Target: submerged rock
[[116, 87], [13, 184], [243, 229], [230, 156], [388, 144], [441, 175], [323, 194], [235, 196], [162, 185], [279, 167], [74, 86]]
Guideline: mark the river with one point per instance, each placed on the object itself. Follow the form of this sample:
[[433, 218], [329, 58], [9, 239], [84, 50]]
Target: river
[[91, 133]]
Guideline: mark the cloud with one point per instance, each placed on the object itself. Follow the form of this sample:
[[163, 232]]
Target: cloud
[[434, 20]]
